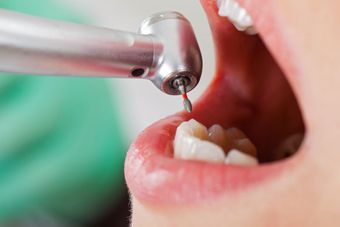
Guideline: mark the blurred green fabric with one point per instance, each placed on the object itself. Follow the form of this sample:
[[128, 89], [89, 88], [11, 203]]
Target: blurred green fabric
[[61, 143]]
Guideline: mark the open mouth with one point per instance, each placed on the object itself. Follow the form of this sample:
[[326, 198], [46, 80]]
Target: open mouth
[[250, 92]]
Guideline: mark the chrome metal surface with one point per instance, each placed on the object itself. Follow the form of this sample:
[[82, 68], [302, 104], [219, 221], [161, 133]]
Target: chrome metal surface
[[181, 55], [39, 46], [165, 49]]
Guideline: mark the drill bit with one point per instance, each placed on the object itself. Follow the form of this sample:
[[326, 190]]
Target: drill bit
[[187, 103], [180, 84]]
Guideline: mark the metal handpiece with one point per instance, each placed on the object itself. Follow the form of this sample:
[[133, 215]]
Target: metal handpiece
[[33, 45], [164, 50]]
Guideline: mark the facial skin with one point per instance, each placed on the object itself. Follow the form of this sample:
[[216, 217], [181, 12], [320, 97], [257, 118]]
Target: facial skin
[[307, 195]]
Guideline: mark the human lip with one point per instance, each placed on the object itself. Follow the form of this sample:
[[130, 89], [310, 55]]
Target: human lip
[[153, 175]]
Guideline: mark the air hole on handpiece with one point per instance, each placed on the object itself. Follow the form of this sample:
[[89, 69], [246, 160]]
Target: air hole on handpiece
[[137, 72]]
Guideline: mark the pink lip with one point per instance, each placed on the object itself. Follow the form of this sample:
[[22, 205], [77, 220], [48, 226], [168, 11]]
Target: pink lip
[[153, 176]]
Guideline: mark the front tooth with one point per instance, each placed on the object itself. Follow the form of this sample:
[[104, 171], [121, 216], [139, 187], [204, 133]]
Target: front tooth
[[239, 158], [191, 143], [237, 15]]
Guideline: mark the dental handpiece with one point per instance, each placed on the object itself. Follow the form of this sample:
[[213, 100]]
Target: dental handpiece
[[165, 50]]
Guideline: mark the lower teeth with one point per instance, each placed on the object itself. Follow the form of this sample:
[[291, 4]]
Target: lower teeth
[[193, 141], [237, 157]]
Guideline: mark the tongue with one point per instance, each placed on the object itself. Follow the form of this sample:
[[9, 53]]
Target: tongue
[[249, 90]]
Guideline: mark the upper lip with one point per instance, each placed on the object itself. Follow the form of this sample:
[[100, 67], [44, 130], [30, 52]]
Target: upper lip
[[154, 176]]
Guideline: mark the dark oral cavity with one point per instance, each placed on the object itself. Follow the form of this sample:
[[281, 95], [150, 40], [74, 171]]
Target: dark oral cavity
[[249, 91]]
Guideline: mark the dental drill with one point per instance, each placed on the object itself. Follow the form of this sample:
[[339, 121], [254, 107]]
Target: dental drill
[[165, 50]]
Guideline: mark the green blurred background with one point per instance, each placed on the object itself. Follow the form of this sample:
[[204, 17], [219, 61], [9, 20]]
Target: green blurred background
[[63, 140], [61, 144]]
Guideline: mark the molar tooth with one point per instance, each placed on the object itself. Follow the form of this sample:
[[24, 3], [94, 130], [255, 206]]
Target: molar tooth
[[239, 158], [234, 134], [204, 151], [240, 141], [191, 143], [217, 135], [192, 128], [237, 15], [246, 146]]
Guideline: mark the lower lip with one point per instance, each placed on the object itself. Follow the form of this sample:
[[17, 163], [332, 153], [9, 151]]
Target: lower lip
[[155, 177]]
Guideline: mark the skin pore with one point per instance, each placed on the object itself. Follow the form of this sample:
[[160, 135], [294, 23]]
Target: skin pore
[[306, 195]]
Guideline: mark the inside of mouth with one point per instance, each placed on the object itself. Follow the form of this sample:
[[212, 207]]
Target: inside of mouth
[[250, 91]]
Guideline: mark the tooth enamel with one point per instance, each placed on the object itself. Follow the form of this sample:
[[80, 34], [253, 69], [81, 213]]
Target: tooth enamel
[[194, 141], [196, 129], [191, 143], [234, 134], [237, 15], [246, 146], [237, 157], [218, 136]]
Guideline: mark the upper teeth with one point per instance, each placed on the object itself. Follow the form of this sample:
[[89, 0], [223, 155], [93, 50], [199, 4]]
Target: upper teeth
[[237, 15], [195, 142]]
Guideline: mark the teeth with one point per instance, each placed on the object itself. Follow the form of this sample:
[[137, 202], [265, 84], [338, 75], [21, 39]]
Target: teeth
[[191, 142], [235, 134], [289, 146], [236, 157], [237, 15], [246, 146], [194, 142], [218, 136]]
